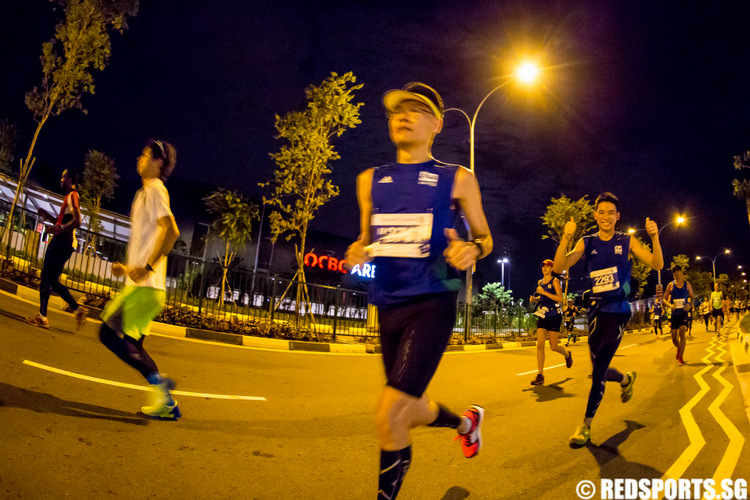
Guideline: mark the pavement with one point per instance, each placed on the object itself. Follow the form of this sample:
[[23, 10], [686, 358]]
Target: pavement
[[263, 423]]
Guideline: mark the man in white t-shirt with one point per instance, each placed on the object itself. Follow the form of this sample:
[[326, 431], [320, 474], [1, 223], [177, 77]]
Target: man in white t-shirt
[[153, 231]]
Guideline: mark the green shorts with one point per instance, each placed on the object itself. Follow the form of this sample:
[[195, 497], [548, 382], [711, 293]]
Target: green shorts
[[132, 311]]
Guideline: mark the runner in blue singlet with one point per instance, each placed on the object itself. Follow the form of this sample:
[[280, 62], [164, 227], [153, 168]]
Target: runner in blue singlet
[[679, 298], [407, 212], [547, 298], [607, 257]]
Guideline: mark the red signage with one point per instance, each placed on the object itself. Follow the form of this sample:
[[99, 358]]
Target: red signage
[[325, 262]]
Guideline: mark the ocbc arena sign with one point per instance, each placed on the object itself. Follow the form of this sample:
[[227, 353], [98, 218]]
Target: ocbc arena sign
[[334, 264]]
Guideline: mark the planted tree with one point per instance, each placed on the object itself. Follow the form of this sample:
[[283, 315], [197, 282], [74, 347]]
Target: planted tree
[[80, 46], [234, 215], [99, 181], [640, 271], [301, 184], [558, 213], [495, 298]]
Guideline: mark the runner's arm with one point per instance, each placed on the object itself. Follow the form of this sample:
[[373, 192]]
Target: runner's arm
[[469, 198], [356, 253]]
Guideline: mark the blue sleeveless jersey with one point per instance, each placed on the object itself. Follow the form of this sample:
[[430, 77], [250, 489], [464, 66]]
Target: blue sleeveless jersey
[[679, 296], [608, 266], [553, 308], [411, 208]]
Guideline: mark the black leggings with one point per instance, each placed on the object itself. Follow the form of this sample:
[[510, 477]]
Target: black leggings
[[58, 252], [129, 350], [605, 334]]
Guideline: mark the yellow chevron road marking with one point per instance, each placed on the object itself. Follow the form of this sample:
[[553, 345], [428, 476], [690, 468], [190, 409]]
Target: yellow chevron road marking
[[697, 442]]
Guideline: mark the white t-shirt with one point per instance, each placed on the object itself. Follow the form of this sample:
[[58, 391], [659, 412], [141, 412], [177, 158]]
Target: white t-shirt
[[150, 204]]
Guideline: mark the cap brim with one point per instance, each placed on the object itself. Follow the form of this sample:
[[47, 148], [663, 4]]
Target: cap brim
[[393, 98]]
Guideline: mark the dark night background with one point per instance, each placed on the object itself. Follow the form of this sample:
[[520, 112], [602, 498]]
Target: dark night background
[[645, 99]]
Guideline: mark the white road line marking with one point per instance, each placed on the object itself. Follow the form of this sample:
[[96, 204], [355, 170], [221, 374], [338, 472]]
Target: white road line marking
[[563, 364], [139, 387], [537, 371]]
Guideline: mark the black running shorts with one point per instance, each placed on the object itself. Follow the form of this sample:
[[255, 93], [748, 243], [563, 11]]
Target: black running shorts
[[413, 338], [717, 312], [550, 323], [678, 319]]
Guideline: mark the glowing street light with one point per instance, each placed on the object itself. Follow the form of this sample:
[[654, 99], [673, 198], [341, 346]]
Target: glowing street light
[[677, 221], [528, 72], [713, 261]]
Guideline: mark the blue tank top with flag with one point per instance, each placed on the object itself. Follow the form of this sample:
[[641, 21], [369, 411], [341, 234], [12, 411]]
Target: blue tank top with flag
[[411, 208], [546, 305], [608, 267], [679, 296]]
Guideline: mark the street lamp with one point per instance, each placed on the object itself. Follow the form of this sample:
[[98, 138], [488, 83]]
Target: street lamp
[[713, 261], [502, 263], [677, 221], [527, 73]]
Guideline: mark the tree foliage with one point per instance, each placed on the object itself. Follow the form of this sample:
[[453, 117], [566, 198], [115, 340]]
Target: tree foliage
[[301, 184], [233, 222], [80, 46], [681, 260], [741, 187], [640, 270], [559, 212], [9, 137], [99, 181]]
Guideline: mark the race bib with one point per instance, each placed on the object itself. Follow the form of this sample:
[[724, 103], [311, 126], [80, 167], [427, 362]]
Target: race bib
[[401, 235], [656, 317], [679, 303], [604, 280], [541, 311]]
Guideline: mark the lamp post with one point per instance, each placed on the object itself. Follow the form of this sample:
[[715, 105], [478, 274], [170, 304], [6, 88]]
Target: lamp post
[[527, 74], [502, 263], [678, 220], [713, 261]]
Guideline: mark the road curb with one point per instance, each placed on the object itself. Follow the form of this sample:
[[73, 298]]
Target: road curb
[[178, 332]]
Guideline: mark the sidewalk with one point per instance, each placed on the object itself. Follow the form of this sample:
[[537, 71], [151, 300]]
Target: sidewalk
[[56, 304]]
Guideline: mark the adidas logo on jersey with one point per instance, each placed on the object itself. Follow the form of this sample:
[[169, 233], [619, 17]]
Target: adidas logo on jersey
[[385, 180], [593, 252]]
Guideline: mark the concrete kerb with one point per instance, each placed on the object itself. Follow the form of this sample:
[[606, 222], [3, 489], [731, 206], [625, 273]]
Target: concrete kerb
[[740, 351], [31, 295]]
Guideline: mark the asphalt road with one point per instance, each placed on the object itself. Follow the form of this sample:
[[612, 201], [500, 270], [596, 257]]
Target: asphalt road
[[313, 436]]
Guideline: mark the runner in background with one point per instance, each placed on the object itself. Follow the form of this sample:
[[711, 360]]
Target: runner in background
[[59, 250]]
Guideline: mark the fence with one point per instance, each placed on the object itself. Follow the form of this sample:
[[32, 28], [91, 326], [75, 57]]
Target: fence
[[249, 297]]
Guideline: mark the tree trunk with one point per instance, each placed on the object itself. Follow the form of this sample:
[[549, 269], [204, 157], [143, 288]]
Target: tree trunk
[[23, 174]]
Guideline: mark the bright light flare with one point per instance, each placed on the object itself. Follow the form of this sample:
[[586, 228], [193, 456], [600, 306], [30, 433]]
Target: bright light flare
[[528, 72], [680, 220]]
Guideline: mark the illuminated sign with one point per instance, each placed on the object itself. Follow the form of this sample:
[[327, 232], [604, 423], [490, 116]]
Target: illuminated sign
[[334, 264]]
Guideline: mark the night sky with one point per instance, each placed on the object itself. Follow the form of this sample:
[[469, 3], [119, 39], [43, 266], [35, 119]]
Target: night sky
[[640, 99]]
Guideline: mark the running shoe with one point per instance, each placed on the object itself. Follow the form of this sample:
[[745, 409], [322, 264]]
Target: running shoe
[[581, 436], [539, 380], [165, 411], [38, 321], [680, 361], [569, 360], [81, 315], [627, 389], [471, 442]]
